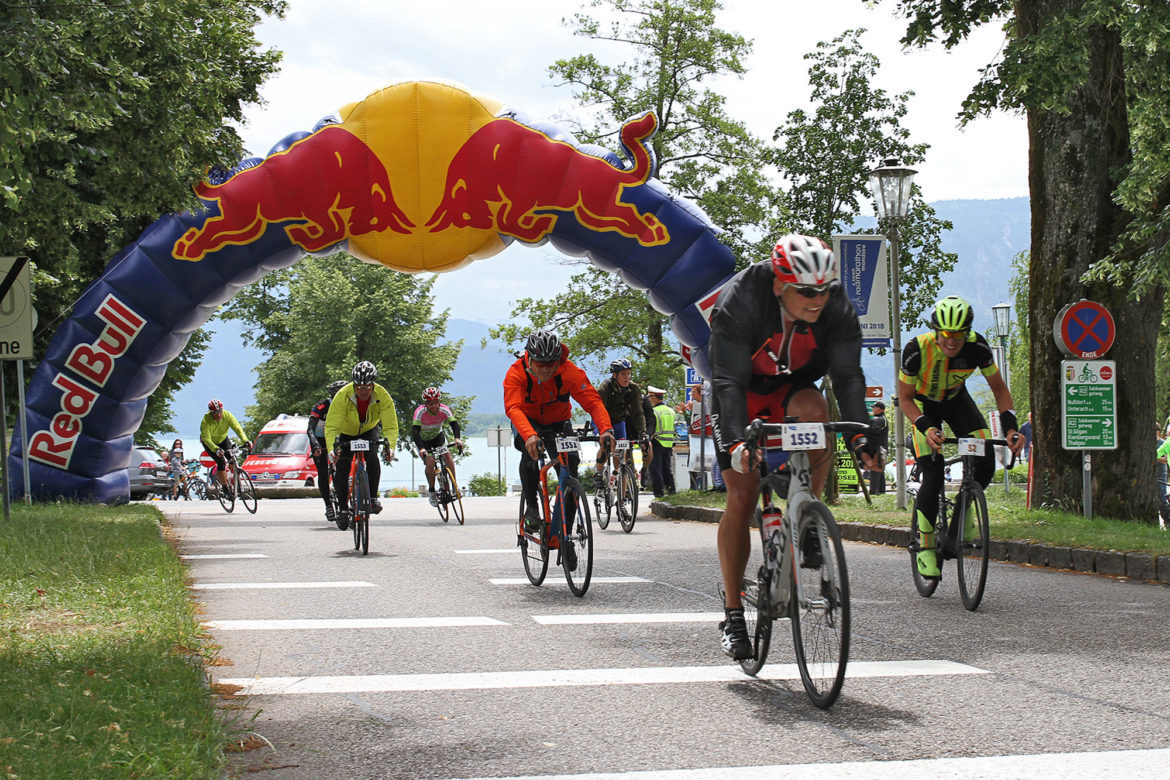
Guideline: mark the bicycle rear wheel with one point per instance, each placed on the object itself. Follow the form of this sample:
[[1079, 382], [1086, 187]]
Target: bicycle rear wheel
[[603, 501], [226, 496], [452, 495], [924, 585], [361, 510], [627, 498], [757, 613], [973, 532], [577, 544], [821, 620], [246, 490], [533, 550]]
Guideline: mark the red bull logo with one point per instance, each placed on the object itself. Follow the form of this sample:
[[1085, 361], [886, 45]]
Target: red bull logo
[[515, 179], [330, 184]]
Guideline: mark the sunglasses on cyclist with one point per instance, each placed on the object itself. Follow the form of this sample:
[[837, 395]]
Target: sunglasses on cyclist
[[811, 290], [957, 335]]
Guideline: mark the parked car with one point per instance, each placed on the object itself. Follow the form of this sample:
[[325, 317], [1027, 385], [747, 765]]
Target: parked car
[[148, 473], [281, 463]]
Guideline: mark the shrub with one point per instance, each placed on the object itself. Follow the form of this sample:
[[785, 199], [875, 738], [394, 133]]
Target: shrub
[[487, 485]]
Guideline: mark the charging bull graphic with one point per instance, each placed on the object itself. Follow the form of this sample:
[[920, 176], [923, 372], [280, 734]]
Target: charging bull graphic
[[514, 192], [350, 194], [389, 182]]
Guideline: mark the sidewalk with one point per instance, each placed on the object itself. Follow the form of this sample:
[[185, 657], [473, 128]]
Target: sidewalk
[[1134, 565]]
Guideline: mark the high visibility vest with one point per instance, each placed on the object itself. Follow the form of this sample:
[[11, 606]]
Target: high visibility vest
[[664, 421]]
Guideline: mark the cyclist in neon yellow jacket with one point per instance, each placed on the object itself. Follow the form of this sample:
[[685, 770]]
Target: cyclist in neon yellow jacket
[[213, 435], [360, 410]]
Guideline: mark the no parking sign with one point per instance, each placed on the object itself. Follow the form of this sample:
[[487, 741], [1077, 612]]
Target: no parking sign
[[1084, 330]]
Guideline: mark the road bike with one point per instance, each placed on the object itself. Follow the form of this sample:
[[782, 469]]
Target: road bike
[[961, 529], [448, 499], [573, 540], [618, 488], [802, 575], [360, 498], [190, 484], [239, 484]]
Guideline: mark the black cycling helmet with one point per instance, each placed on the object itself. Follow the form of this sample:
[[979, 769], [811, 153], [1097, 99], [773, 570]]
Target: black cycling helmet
[[621, 364], [336, 386], [543, 346], [364, 373]]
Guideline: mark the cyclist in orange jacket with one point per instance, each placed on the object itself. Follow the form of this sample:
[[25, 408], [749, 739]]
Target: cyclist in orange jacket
[[537, 389]]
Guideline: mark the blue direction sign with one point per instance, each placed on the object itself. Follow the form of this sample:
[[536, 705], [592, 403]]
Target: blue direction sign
[[1084, 330]]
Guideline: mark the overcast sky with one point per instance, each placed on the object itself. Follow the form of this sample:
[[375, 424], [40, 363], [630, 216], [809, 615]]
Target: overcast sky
[[337, 53]]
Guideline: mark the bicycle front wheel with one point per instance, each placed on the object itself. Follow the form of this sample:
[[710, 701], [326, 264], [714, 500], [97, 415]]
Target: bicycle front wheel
[[924, 585], [361, 510], [441, 502], [226, 496], [533, 549], [971, 554], [821, 620], [246, 490], [577, 547], [197, 488], [757, 613], [627, 498], [453, 496]]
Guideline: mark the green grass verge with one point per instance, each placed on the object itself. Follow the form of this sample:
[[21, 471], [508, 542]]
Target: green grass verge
[[1008, 517], [101, 653]]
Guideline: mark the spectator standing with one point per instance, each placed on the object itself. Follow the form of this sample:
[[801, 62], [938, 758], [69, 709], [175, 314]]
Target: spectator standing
[[1026, 432], [700, 435], [662, 466], [879, 434], [1162, 452]]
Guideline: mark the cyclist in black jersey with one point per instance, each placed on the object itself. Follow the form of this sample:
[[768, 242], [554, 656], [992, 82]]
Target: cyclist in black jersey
[[316, 431], [932, 390], [623, 400], [777, 329]]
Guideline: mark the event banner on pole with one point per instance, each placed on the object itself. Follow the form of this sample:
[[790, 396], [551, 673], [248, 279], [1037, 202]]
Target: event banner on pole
[[863, 274]]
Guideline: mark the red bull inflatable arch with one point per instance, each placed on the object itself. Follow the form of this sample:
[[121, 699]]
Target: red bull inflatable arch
[[420, 177]]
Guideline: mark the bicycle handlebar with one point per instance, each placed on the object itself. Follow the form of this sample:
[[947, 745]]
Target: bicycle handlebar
[[999, 442], [758, 429]]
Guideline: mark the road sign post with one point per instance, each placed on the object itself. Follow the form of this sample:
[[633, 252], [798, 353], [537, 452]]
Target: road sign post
[[16, 329], [498, 437], [1088, 391]]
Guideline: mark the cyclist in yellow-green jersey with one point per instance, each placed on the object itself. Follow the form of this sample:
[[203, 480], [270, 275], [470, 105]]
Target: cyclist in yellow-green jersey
[[213, 435], [932, 390]]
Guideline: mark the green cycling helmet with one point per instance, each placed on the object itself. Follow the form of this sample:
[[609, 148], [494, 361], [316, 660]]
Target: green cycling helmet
[[952, 313]]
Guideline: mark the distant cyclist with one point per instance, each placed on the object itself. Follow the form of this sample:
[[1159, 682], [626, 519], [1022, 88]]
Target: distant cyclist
[[320, 451], [213, 435], [361, 409], [623, 401], [777, 329], [426, 431], [537, 389], [932, 390]]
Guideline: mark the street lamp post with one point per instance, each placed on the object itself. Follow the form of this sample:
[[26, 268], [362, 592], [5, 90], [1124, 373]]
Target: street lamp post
[[1002, 314], [891, 184]]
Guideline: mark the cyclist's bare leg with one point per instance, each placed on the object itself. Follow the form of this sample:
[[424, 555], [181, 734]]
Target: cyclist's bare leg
[[809, 406], [734, 539], [430, 470]]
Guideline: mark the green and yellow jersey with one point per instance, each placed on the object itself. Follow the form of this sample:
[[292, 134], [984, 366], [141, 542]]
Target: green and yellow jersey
[[934, 376]]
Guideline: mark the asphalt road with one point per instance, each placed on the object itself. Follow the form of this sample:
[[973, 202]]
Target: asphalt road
[[432, 657]]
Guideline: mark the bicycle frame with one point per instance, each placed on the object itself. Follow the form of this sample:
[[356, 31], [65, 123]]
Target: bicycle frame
[[574, 544]]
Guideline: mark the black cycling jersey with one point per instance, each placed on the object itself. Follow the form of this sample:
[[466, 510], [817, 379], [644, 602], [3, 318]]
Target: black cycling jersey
[[750, 352]]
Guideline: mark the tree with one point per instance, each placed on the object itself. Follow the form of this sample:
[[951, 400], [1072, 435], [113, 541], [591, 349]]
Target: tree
[[826, 156], [703, 155], [108, 113], [1093, 77], [320, 317]]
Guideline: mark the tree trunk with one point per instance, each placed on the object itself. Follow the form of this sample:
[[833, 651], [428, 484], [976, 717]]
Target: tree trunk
[[1074, 156]]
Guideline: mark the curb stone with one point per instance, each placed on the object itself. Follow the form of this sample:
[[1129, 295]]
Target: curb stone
[[1134, 565]]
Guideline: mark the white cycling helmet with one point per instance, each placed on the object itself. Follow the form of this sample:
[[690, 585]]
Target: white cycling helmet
[[803, 260]]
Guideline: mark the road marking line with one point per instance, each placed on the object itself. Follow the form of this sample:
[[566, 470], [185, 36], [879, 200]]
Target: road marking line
[[550, 678], [635, 617], [217, 556], [1067, 766], [558, 581], [500, 551], [318, 625], [279, 585]]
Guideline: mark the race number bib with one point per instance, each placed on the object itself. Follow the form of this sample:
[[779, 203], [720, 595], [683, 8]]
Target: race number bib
[[568, 444], [972, 447], [802, 436], [440, 450], [359, 445], [621, 445]]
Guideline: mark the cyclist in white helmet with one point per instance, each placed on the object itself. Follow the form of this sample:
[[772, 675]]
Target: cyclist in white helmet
[[777, 329]]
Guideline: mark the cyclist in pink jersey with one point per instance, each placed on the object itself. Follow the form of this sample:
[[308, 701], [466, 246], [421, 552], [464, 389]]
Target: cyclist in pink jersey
[[426, 432]]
